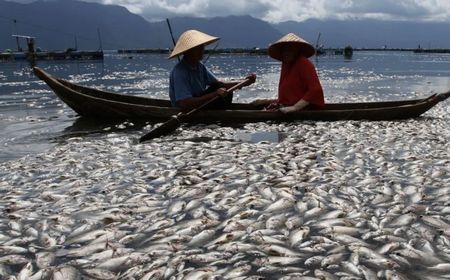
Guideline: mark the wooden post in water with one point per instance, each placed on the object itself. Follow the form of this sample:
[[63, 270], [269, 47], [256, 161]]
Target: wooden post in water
[[76, 43], [19, 49], [171, 35], [100, 39]]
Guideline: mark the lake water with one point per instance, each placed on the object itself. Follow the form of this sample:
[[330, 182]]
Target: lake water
[[347, 199], [32, 118]]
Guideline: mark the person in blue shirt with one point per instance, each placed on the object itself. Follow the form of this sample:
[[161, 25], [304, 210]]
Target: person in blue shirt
[[191, 83]]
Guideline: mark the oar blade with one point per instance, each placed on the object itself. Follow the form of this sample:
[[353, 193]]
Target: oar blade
[[164, 129], [443, 96]]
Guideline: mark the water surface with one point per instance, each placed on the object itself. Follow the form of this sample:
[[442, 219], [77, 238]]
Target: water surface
[[210, 200], [32, 117]]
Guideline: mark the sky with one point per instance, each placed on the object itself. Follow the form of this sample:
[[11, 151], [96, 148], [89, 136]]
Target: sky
[[283, 10]]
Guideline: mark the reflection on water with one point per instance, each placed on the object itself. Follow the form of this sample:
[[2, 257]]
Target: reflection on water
[[259, 136]]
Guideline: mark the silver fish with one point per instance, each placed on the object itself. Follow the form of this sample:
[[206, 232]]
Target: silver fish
[[66, 273]]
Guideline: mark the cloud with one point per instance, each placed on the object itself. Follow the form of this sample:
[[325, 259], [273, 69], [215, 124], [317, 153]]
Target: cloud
[[284, 10], [160, 9], [394, 9]]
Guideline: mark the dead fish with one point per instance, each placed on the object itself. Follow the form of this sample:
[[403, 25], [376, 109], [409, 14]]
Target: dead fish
[[123, 262], [47, 241], [278, 260], [82, 251], [440, 267], [176, 207], [314, 261], [368, 273], [44, 259], [332, 259], [208, 257], [226, 237], [351, 268], [293, 222], [109, 253], [403, 220], [276, 221], [236, 272], [238, 246], [394, 275], [202, 237], [157, 273], [351, 231], [10, 250], [281, 204], [87, 236], [101, 274], [313, 213], [45, 273], [267, 193], [297, 236], [200, 273], [13, 260], [324, 275], [434, 222], [402, 261], [5, 271], [388, 248], [66, 273], [25, 272], [276, 250]]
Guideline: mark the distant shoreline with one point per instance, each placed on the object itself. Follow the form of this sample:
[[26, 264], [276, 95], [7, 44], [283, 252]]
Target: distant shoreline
[[263, 51]]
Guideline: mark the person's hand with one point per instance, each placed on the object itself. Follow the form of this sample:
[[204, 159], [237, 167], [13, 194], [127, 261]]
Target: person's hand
[[250, 79], [288, 109], [222, 92]]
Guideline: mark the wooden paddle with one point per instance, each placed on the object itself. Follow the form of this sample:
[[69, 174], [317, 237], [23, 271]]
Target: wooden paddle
[[176, 120]]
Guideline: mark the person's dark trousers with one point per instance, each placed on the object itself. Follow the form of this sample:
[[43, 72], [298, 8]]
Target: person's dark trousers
[[222, 102]]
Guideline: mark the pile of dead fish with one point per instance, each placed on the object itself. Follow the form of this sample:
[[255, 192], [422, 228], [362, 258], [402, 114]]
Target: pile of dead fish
[[333, 200]]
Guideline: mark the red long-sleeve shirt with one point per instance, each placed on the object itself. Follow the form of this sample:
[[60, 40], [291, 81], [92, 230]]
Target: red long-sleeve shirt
[[299, 80]]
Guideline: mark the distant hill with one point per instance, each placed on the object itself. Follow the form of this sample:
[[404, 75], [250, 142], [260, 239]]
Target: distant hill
[[56, 23], [235, 31], [371, 33]]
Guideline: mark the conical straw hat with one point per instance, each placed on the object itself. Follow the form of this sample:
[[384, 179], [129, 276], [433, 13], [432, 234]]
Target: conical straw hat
[[191, 39], [305, 48]]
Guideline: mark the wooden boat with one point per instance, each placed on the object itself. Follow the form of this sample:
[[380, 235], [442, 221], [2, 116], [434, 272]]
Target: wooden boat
[[96, 103]]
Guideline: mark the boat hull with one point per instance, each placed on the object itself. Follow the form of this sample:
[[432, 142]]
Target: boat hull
[[93, 103]]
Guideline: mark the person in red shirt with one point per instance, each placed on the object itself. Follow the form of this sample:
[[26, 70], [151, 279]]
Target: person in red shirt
[[299, 85]]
